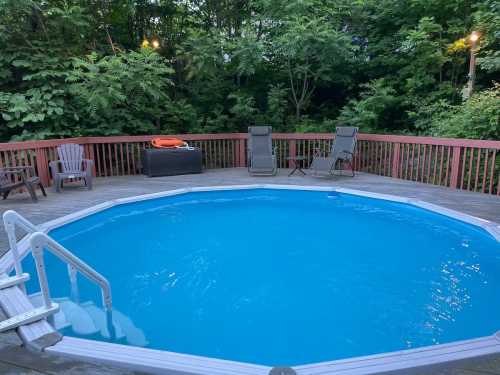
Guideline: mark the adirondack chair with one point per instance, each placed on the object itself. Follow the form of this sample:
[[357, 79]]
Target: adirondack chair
[[71, 164], [17, 177]]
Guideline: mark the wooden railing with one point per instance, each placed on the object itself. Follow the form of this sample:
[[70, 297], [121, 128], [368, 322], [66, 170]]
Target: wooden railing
[[457, 163]]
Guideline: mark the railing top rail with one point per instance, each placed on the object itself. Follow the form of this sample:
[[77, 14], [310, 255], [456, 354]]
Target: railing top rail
[[147, 138], [453, 142], [475, 143], [26, 145], [10, 146]]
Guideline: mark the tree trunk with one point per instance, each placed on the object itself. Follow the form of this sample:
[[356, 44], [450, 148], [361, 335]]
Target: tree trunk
[[297, 112]]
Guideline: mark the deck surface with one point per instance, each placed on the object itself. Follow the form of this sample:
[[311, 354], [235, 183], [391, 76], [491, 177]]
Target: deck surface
[[17, 360]]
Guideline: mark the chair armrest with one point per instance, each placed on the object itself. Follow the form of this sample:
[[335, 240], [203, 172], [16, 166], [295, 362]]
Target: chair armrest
[[88, 163], [319, 152], [24, 171], [351, 154], [54, 166], [19, 169]]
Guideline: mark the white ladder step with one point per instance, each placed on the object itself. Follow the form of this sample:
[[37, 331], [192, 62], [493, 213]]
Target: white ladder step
[[124, 327], [28, 317], [7, 282]]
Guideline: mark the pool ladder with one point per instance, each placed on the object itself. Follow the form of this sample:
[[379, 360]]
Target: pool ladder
[[39, 242]]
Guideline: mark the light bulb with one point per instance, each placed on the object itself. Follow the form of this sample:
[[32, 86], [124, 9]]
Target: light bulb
[[474, 36]]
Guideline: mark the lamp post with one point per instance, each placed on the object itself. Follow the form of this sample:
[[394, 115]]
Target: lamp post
[[474, 37]]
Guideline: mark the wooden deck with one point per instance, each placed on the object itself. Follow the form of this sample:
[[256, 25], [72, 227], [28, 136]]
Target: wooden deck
[[17, 360]]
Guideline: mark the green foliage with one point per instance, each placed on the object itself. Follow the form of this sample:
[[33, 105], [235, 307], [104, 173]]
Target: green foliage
[[487, 19], [311, 48], [243, 109], [375, 110], [73, 67], [121, 93], [277, 107], [180, 117], [39, 99], [478, 117]]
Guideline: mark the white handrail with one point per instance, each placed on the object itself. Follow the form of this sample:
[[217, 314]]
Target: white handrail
[[40, 241], [11, 219]]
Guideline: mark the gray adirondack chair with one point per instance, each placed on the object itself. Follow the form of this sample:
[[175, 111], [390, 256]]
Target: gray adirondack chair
[[342, 152], [17, 177], [71, 164], [261, 155]]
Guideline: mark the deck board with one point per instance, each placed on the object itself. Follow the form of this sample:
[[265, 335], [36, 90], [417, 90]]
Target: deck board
[[17, 360]]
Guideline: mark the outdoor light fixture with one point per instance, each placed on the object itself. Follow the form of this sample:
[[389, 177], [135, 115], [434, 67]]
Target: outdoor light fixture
[[155, 43], [474, 37]]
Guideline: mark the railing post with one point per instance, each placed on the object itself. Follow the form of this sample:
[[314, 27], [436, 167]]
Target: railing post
[[242, 159], [292, 151], [42, 166], [236, 154], [89, 150], [455, 166], [395, 160]]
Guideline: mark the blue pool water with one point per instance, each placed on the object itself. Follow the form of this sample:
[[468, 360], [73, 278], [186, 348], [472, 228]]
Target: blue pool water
[[281, 277]]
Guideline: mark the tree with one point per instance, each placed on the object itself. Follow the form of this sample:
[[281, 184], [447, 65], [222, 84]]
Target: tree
[[478, 117], [75, 67], [375, 110], [121, 93], [310, 48]]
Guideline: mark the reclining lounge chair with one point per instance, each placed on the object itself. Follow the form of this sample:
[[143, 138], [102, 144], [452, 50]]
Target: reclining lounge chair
[[342, 152], [261, 155]]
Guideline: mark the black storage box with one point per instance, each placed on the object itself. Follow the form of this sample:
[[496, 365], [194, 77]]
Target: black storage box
[[170, 161]]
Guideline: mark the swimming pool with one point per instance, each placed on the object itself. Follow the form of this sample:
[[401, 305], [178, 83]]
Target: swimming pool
[[282, 277]]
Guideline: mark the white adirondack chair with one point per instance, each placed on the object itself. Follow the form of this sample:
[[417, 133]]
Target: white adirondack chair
[[71, 164]]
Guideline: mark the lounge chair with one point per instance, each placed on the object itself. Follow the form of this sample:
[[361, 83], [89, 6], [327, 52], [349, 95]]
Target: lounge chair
[[342, 152], [71, 164], [18, 177], [261, 155]]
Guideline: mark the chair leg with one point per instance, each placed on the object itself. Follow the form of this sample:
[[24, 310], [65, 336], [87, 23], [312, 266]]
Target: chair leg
[[32, 192], [42, 189], [334, 166], [57, 183], [88, 181], [352, 168]]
